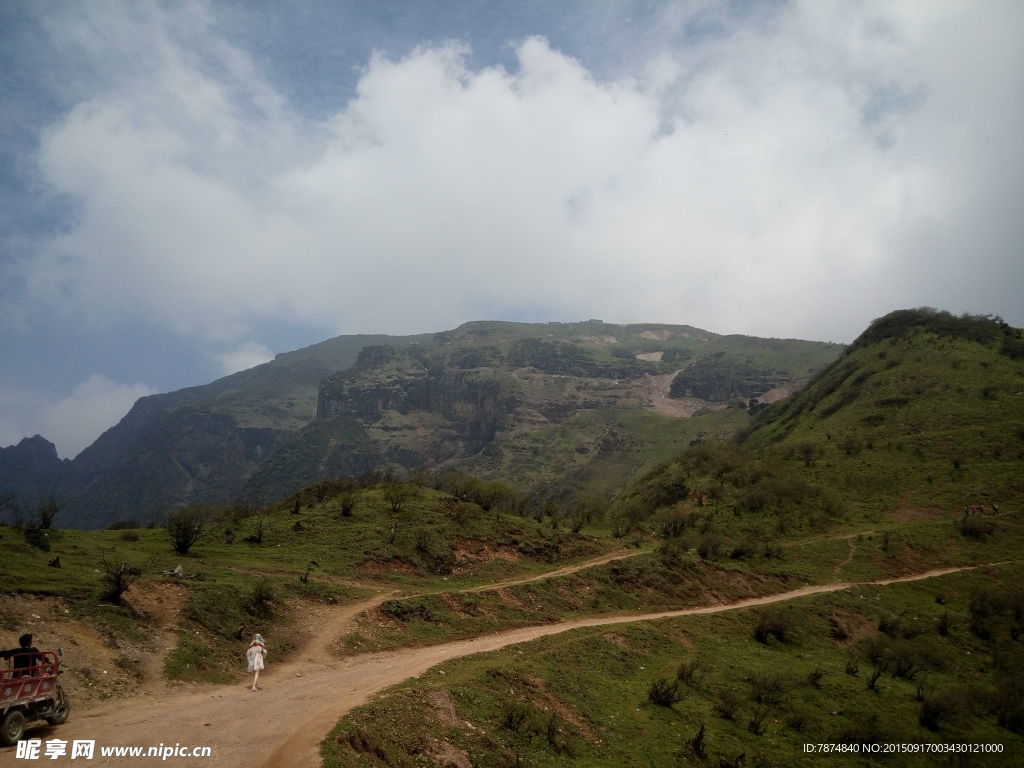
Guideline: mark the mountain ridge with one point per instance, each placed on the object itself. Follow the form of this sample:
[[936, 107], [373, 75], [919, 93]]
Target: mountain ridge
[[356, 403]]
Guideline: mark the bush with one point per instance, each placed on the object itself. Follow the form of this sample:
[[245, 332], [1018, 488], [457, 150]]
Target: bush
[[664, 692], [939, 709], [433, 552], [404, 611], [687, 672], [767, 689], [727, 704], [37, 537], [184, 528], [117, 579], [976, 527], [262, 597], [756, 723], [772, 623], [347, 504]]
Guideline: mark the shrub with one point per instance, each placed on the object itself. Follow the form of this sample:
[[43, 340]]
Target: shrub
[[744, 549], [797, 720], [815, 675], [37, 537], [184, 528], [939, 709], [404, 611], [710, 546], [687, 672], [727, 704], [117, 579], [261, 598], [433, 552], [976, 527], [772, 623], [664, 692], [756, 723], [767, 689], [347, 503]]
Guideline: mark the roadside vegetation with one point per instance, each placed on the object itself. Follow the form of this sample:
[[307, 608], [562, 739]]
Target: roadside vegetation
[[245, 567], [933, 661]]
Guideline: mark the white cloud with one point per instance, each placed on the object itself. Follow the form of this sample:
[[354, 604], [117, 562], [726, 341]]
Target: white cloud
[[92, 407], [797, 177], [243, 357]]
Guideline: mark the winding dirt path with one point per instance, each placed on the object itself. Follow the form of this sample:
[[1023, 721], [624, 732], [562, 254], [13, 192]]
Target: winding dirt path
[[282, 725]]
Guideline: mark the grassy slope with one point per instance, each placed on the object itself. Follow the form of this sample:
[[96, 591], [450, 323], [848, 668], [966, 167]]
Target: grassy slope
[[893, 441], [922, 421], [582, 698], [431, 544]]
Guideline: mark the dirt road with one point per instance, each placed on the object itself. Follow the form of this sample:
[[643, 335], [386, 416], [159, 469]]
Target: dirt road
[[282, 725]]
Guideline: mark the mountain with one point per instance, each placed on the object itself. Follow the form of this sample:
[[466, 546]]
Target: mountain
[[31, 470], [586, 405]]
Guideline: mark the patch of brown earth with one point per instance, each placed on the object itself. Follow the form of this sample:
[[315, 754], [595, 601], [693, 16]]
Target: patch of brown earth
[[655, 391], [550, 703], [378, 568], [444, 708], [453, 604], [650, 357], [506, 595], [445, 755], [480, 552], [90, 666], [661, 335], [616, 639], [161, 603], [780, 392], [907, 512]]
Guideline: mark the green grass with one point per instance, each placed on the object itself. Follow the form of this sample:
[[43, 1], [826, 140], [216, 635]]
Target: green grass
[[582, 698], [924, 421], [431, 544], [675, 577]]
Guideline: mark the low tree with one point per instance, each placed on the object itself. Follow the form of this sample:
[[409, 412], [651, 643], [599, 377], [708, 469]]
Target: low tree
[[47, 511], [397, 494], [184, 527]]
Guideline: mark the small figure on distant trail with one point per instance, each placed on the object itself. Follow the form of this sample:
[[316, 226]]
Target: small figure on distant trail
[[254, 654], [25, 656]]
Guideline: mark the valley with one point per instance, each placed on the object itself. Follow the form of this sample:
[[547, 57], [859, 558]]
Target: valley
[[840, 566]]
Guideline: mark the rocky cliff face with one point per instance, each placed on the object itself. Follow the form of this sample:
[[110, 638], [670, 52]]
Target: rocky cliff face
[[474, 401], [32, 471], [509, 400]]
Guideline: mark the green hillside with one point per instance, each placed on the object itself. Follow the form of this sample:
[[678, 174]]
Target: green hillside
[[861, 476], [925, 410]]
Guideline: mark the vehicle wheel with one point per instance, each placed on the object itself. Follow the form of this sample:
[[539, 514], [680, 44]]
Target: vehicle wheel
[[12, 728], [61, 711]]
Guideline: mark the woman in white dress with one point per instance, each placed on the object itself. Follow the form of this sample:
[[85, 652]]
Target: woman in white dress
[[254, 655]]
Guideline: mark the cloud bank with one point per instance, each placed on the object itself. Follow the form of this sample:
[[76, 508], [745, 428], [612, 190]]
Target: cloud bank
[[792, 172]]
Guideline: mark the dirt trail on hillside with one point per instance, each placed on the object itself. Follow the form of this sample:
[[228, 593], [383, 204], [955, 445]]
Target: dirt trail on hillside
[[282, 725], [620, 555]]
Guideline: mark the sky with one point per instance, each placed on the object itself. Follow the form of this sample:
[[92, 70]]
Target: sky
[[188, 189]]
